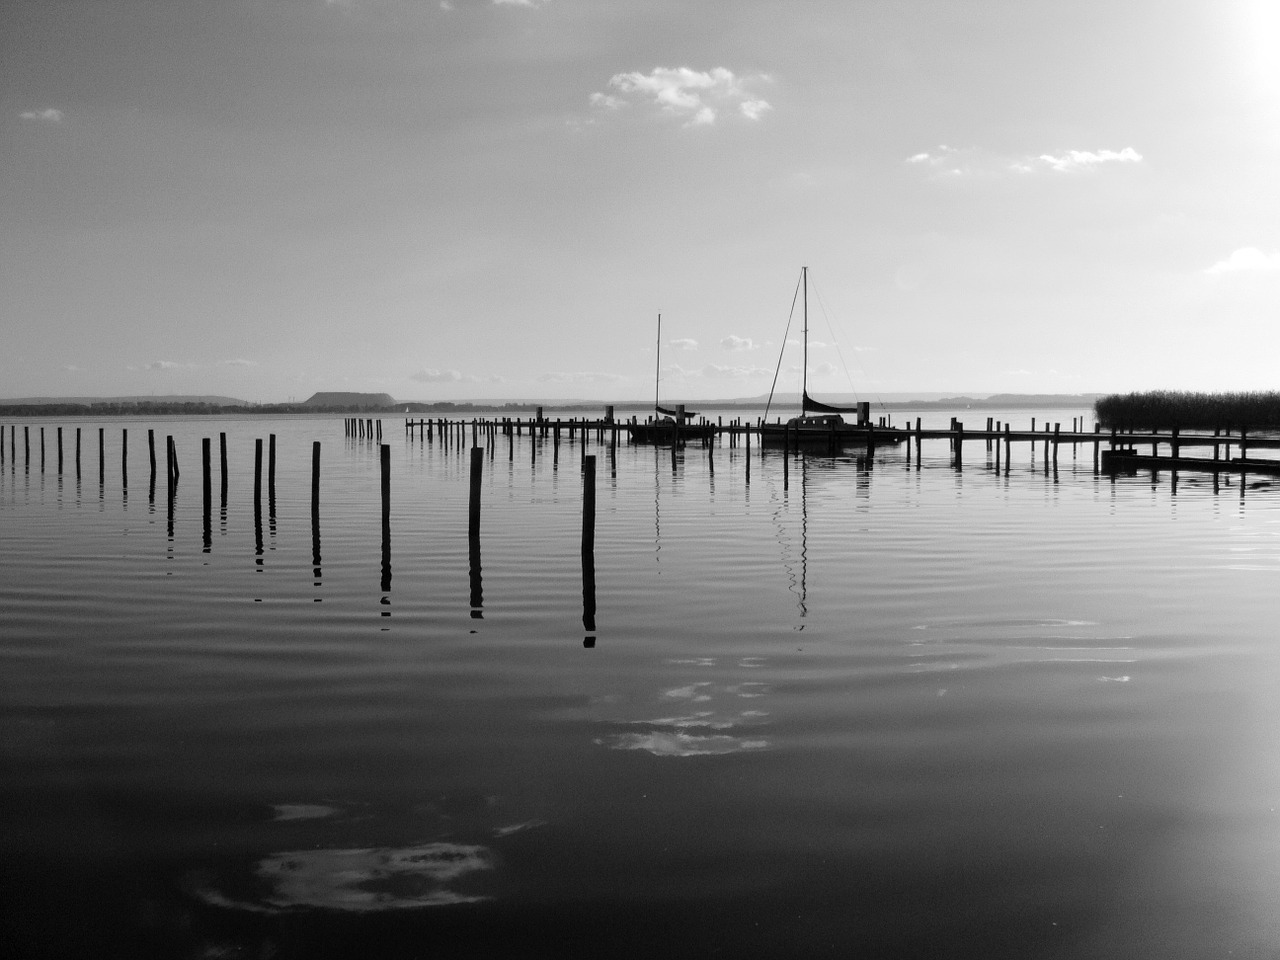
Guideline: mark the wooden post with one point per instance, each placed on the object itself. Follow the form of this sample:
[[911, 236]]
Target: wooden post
[[271, 465], [588, 504], [206, 470], [957, 439], [59, 448], [1057, 432], [222, 463], [26, 446], [124, 458], [257, 473], [1097, 433], [77, 451], [102, 455], [315, 481], [473, 514], [1008, 448], [171, 480], [384, 460]]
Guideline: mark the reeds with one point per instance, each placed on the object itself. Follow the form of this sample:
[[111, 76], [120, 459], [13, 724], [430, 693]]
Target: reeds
[[1167, 409]]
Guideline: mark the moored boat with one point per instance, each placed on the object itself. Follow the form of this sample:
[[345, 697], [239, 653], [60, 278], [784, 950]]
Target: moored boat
[[668, 426], [823, 423]]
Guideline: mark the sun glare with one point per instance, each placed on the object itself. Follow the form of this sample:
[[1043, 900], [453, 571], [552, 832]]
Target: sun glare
[[1261, 40]]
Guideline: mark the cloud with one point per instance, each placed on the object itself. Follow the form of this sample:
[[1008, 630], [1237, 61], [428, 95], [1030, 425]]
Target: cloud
[[695, 96], [432, 375], [683, 343], [519, 3], [1246, 260], [715, 371], [239, 362], [48, 115], [168, 365], [738, 343], [950, 162], [580, 376], [1084, 159]]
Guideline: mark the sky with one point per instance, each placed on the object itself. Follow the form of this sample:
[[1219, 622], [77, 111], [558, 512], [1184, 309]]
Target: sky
[[497, 198]]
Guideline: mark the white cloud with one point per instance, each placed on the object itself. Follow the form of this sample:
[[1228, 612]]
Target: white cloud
[[579, 376], [240, 362], [606, 101], [715, 371], [1246, 260], [1084, 159], [432, 375], [738, 343], [519, 3], [168, 365], [48, 115], [692, 95], [950, 162], [684, 343]]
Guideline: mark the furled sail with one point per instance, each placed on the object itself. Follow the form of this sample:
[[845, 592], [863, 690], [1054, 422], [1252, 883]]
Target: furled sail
[[818, 407], [665, 411]]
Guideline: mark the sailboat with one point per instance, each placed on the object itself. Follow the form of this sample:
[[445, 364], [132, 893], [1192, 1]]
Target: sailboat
[[668, 426], [822, 422]]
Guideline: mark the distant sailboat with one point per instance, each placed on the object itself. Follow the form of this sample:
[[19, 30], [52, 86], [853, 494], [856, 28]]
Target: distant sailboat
[[674, 425]]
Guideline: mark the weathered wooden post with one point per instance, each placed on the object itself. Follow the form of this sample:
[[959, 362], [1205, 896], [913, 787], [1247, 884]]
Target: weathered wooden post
[[124, 458], [747, 477], [1057, 433], [170, 479], [206, 469], [102, 456], [1008, 448], [957, 439], [315, 481], [588, 504], [77, 451], [271, 465], [59, 448], [384, 458], [26, 446], [473, 514], [1097, 433], [257, 474], [588, 550], [315, 512]]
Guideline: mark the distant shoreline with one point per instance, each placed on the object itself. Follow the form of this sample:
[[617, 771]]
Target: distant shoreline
[[223, 406]]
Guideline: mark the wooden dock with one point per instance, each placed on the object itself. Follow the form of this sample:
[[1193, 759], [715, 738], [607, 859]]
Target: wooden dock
[[1114, 450]]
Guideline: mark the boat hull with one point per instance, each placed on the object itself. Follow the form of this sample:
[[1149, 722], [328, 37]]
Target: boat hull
[[829, 433], [667, 432]]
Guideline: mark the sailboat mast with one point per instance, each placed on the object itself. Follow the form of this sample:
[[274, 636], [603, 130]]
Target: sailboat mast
[[657, 373], [804, 373]]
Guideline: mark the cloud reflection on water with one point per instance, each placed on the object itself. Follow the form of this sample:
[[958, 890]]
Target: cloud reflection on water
[[363, 880]]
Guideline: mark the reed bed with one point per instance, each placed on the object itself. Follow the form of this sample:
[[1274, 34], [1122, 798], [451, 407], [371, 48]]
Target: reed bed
[[1167, 409]]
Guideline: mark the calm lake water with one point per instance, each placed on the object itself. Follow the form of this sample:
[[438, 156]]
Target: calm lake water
[[885, 710]]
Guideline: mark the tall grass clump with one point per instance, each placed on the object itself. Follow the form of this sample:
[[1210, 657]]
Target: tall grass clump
[[1166, 409]]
